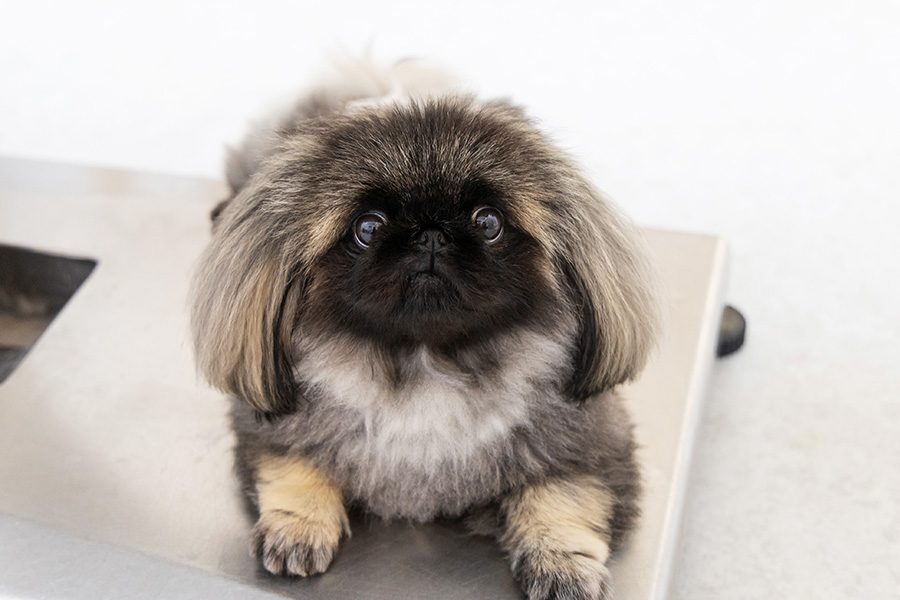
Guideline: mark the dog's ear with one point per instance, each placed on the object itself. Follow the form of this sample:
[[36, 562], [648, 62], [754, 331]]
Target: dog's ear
[[246, 300], [216, 213], [612, 290]]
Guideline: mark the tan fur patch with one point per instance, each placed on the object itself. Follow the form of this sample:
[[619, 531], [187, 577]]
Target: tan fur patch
[[254, 299], [561, 521], [302, 517]]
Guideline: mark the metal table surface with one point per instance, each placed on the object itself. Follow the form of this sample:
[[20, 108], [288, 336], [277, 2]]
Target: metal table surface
[[115, 460]]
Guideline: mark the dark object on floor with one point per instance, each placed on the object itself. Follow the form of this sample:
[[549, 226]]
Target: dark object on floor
[[37, 284], [34, 286], [731, 332]]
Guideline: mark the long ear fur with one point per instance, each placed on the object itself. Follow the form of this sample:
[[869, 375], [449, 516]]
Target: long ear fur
[[614, 291], [246, 298]]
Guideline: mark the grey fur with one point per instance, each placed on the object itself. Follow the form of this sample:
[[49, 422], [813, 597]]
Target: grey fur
[[419, 433]]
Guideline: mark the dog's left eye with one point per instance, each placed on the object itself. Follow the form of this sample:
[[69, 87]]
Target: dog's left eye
[[489, 221], [365, 227]]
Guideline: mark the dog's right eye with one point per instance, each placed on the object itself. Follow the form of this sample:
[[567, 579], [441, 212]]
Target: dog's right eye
[[365, 227]]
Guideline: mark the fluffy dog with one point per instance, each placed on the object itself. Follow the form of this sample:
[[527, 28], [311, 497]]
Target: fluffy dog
[[420, 306]]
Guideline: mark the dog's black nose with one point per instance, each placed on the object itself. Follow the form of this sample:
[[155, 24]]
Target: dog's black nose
[[431, 240]]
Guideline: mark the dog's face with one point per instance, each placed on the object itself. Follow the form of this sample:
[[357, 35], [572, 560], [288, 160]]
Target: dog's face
[[440, 224], [433, 248], [432, 267]]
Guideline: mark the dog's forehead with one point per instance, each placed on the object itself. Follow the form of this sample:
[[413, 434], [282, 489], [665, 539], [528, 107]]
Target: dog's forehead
[[449, 153], [416, 145]]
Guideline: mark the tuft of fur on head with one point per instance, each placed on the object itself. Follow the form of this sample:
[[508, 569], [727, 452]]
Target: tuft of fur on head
[[281, 274], [351, 83]]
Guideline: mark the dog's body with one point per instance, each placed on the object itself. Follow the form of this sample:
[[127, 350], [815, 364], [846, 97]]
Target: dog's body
[[420, 307], [436, 447]]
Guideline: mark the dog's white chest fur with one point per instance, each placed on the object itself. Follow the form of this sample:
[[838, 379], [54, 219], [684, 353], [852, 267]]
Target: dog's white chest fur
[[439, 422]]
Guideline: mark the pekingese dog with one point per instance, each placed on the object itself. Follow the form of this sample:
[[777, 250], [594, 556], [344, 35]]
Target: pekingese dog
[[420, 306]]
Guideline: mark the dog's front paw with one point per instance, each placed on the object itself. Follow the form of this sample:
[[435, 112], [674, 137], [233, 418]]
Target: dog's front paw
[[556, 535], [554, 574], [288, 543]]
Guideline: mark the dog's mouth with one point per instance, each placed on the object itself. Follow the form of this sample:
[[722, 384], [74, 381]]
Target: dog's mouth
[[430, 293], [427, 283], [424, 279]]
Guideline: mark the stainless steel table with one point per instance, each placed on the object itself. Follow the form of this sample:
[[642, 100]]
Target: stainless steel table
[[115, 460]]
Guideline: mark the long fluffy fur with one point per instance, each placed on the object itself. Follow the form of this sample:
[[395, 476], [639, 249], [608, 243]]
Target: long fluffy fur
[[420, 429]]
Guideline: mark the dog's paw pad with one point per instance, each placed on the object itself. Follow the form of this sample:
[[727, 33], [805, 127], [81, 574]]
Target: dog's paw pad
[[291, 544], [562, 575]]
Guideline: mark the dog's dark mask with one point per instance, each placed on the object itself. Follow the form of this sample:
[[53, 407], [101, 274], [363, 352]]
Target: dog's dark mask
[[440, 266]]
